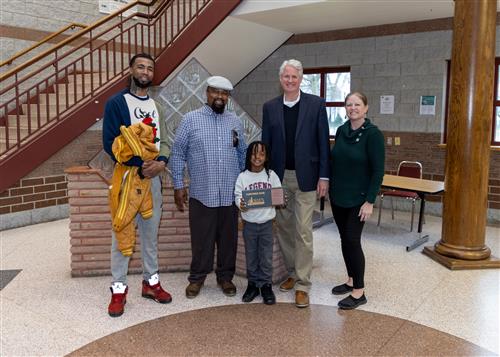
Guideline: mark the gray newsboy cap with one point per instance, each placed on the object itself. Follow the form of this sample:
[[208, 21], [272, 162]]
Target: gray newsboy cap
[[219, 82]]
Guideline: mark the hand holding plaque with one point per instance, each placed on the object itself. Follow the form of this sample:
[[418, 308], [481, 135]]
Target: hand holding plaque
[[263, 198]]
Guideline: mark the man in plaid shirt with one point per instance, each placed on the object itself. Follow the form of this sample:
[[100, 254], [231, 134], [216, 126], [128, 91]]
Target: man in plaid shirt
[[210, 142]]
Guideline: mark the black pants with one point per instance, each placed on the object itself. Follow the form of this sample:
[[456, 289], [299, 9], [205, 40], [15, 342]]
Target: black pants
[[211, 227], [350, 228]]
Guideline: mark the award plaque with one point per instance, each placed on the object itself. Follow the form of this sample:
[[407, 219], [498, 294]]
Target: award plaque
[[263, 198]]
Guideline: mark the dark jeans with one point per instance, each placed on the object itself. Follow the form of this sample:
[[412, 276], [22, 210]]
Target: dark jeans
[[259, 252], [211, 227], [350, 228]]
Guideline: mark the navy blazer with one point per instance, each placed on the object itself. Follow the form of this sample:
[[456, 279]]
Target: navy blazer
[[311, 140]]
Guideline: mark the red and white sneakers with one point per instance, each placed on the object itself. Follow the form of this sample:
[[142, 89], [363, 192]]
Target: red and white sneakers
[[151, 289], [118, 299]]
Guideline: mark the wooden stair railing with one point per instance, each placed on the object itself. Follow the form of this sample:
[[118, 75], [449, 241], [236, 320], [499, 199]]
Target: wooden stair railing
[[54, 97], [71, 26]]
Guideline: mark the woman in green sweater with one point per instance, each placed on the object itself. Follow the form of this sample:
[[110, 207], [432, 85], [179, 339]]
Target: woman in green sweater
[[357, 171]]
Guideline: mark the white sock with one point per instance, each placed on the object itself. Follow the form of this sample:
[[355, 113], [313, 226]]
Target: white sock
[[154, 279], [118, 287]]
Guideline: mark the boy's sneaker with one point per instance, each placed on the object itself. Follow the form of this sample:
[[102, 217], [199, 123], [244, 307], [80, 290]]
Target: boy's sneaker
[[267, 294], [251, 292], [118, 299], [155, 292]]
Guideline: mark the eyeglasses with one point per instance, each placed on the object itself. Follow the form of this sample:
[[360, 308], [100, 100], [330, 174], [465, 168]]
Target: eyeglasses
[[221, 92]]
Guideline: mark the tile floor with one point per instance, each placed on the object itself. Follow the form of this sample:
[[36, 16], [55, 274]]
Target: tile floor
[[46, 312]]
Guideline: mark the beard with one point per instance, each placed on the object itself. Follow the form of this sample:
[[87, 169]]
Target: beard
[[141, 84], [218, 107]]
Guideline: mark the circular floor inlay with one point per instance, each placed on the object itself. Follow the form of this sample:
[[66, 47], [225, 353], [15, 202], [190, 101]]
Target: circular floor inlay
[[279, 330]]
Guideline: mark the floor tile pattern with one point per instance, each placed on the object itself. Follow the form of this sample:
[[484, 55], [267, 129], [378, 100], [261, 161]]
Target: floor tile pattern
[[281, 330]]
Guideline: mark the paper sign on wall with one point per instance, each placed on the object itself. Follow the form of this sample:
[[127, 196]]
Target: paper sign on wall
[[427, 105], [386, 104]]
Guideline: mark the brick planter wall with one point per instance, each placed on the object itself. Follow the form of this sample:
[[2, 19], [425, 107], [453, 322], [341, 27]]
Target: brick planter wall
[[90, 230]]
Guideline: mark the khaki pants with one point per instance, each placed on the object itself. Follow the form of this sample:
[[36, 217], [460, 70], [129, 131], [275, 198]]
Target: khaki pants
[[294, 228]]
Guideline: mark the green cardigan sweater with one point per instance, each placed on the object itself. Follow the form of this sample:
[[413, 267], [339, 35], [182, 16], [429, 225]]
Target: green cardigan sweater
[[357, 165]]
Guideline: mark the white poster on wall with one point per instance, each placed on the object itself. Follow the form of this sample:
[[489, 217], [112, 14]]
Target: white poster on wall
[[428, 105], [386, 104]]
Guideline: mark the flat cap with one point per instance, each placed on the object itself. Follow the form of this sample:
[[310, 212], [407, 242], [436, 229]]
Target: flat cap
[[219, 82]]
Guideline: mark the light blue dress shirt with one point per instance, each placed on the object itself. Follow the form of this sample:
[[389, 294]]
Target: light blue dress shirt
[[204, 142]]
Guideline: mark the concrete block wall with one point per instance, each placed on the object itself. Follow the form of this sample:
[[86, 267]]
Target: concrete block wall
[[48, 15], [406, 65], [90, 230], [25, 22]]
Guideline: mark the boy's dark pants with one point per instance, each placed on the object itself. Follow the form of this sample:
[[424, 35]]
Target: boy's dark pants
[[259, 252]]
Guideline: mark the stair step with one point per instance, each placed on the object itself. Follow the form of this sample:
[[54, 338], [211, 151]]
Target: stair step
[[79, 78], [62, 88], [3, 143], [23, 132], [23, 121], [51, 98], [52, 110]]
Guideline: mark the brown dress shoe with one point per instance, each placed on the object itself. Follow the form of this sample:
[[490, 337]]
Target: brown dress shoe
[[287, 285], [193, 289], [301, 299], [228, 288]]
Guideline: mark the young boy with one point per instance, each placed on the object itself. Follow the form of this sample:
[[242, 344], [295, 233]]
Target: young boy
[[258, 224]]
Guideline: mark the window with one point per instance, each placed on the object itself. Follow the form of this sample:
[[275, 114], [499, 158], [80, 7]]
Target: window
[[495, 136], [333, 84]]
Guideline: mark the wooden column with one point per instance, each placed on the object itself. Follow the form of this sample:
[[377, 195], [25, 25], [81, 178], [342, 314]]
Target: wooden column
[[462, 245]]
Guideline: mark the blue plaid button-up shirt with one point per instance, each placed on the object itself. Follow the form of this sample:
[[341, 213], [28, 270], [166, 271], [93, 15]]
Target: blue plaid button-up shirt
[[205, 142]]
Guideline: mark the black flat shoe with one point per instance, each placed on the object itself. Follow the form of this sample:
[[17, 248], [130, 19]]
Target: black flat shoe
[[268, 295], [341, 289], [250, 293], [351, 302]]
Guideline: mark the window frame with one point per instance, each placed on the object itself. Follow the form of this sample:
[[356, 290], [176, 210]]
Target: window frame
[[323, 71], [495, 102]]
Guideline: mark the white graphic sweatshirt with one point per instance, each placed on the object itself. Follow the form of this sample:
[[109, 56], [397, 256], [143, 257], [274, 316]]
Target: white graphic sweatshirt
[[248, 180]]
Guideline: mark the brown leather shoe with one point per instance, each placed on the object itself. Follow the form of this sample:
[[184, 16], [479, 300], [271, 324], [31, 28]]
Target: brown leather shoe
[[228, 288], [301, 299], [287, 285], [193, 289]]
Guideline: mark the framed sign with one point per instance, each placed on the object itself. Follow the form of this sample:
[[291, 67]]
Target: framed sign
[[386, 104], [428, 105]]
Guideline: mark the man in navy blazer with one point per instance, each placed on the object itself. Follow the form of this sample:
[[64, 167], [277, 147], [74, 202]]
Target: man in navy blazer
[[295, 129]]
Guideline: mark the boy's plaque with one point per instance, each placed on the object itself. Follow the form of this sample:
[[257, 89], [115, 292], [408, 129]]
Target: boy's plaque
[[263, 198]]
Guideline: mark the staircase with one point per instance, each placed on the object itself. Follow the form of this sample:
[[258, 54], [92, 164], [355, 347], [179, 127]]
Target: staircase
[[54, 97]]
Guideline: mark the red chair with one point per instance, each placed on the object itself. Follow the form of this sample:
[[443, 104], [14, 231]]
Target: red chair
[[407, 169]]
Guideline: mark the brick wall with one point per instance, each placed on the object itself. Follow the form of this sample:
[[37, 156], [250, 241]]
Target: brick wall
[[425, 148], [90, 230], [38, 197], [35, 192]]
